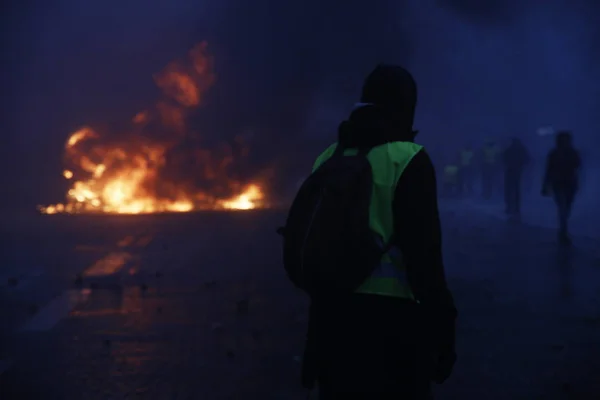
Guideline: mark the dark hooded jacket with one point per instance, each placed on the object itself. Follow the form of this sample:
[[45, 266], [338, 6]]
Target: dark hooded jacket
[[562, 165], [390, 95]]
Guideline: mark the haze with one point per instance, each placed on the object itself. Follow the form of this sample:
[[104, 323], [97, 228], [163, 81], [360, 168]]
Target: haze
[[202, 118]]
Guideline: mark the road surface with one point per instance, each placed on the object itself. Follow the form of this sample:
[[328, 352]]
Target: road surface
[[197, 307]]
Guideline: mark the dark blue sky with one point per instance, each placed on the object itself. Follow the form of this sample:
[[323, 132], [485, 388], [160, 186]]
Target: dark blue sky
[[290, 71]]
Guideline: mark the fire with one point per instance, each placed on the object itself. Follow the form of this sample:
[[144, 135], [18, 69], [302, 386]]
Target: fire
[[249, 199], [132, 173]]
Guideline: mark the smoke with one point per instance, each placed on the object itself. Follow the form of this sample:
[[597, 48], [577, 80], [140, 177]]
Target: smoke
[[298, 67], [503, 69], [507, 70], [290, 71], [485, 69], [158, 161]]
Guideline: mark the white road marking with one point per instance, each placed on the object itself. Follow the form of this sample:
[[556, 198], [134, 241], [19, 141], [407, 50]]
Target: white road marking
[[60, 307], [47, 317]]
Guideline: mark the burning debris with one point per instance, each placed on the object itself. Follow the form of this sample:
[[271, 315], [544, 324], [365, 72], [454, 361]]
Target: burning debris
[[141, 172]]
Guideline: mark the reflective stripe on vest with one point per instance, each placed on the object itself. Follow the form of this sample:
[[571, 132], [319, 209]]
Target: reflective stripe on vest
[[389, 279], [388, 162]]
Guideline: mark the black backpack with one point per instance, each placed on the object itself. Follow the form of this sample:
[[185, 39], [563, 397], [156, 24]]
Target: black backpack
[[328, 246]]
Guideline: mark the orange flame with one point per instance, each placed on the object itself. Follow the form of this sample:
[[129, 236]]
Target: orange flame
[[125, 177], [249, 199]]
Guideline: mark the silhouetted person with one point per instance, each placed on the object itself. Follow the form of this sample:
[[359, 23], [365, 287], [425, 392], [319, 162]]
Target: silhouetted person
[[489, 169], [515, 158], [561, 180], [466, 173], [530, 177], [384, 331]]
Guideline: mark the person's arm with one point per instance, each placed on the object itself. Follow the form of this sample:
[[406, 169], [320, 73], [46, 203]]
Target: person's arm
[[418, 234]]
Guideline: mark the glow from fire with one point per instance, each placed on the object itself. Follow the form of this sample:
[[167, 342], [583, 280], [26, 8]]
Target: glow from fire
[[125, 176], [249, 199]]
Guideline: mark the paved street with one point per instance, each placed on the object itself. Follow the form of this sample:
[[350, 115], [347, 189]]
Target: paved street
[[197, 307]]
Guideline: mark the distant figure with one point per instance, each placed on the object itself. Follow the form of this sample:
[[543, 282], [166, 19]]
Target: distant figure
[[451, 180], [466, 173], [561, 180], [515, 158], [530, 177], [489, 169], [363, 240]]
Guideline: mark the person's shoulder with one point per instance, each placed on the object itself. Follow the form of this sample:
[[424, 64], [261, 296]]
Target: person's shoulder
[[327, 152], [422, 156], [406, 146], [404, 149], [421, 162], [321, 158], [418, 177]]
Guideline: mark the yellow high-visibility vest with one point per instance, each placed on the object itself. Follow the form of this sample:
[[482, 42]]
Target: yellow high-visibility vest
[[388, 162]]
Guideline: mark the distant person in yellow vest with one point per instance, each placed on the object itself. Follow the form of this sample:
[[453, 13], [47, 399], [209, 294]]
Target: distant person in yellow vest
[[466, 173], [451, 180], [490, 172]]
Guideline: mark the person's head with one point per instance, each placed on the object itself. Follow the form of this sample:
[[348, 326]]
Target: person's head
[[515, 141], [564, 139], [392, 90]]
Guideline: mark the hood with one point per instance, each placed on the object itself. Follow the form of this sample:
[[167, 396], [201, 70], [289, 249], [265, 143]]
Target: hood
[[386, 110]]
